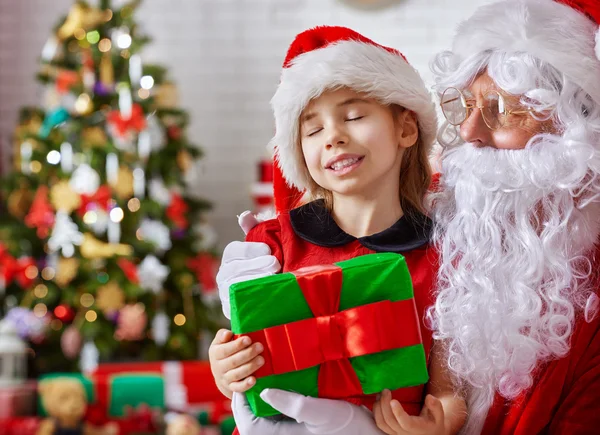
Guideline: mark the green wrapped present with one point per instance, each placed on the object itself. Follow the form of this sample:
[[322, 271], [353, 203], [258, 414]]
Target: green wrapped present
[[341, 331]]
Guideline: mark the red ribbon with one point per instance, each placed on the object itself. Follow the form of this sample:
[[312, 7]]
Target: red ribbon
[[41, 214], [332, 337], [129, 269], [101, 197], [176, 211], [135, 122], [12, 269], [205, 267]]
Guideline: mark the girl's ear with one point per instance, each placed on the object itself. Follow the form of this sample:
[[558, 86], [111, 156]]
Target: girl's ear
[[407, 128]]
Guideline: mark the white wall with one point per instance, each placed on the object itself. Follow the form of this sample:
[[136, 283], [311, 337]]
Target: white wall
[[225, 56]]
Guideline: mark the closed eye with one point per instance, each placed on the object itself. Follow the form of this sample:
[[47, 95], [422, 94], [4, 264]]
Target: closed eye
[[355, 119], [312, 133]]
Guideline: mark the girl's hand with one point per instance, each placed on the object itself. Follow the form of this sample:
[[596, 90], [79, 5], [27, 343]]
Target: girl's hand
[[232, 362], [393, 420]]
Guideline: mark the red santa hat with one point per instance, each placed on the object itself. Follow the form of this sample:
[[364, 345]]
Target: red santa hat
[[563, 33], [328, 57]]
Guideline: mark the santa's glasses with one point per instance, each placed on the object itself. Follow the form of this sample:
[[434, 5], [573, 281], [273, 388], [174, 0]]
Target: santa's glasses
[[457, 109]]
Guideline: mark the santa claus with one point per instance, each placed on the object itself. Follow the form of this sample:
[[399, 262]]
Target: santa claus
[[517, 222]]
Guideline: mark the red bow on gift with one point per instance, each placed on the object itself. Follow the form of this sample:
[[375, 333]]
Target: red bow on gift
[[332, 337], [176, 211], [12, 269], [101, 197], [136, 122]]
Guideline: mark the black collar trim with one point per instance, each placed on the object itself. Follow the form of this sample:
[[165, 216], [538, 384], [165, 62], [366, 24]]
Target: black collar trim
[[313, 222]]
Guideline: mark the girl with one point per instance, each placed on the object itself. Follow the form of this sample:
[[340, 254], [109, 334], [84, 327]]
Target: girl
[[354, 125]]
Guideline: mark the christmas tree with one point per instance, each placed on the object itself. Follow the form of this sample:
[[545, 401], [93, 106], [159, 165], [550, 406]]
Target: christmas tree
[[103, 256]]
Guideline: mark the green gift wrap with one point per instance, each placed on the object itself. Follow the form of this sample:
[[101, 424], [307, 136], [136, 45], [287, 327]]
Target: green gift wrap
[[338, 331], [115, 393]]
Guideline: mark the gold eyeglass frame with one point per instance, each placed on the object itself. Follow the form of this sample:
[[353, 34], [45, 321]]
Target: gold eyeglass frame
[[470, 107]]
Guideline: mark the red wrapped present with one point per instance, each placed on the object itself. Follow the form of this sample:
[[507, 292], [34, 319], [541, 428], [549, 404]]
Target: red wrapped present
[[189, 385], [18, 400], [19, 425]]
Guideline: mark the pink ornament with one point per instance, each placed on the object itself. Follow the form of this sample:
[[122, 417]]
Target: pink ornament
[[70, 342], [131, 325]]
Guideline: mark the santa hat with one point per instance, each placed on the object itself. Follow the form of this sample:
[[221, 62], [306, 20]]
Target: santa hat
[[563, 33], [324, 58]]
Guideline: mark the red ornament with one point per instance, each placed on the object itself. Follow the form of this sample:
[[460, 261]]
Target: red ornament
[[176, 211], [41, 214], [64, 313], [174, 132], [129, 268], [101, 198], [136, 122], [205, 267], [65, 81]]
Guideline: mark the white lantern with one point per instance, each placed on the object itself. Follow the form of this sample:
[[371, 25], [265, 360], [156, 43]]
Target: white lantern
[[13, 356]]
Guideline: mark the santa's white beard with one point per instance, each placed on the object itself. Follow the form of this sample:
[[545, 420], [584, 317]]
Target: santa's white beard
[[512, 244]]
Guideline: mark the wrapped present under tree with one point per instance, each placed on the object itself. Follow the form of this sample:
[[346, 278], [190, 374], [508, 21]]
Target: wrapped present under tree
[[341, 331]]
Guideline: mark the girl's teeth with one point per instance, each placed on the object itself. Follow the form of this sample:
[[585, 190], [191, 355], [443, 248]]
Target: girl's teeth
[[343, 163]]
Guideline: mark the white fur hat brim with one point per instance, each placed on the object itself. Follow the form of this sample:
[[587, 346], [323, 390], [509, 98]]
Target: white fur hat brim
[[363, 67], [553, 32]]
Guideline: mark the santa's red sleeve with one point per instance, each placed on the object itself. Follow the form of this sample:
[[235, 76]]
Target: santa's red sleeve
[[268, 232]]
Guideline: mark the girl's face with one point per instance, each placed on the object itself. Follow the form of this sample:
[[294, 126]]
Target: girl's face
[[352, 144]]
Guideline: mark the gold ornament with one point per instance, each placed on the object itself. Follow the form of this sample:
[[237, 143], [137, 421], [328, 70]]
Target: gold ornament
[[124, 186], [84, 104], [93, 248], [93, 137], [184, 160], [107, 71], [19, 202], [110, 298], [81, 17], [66, 271], [63, 197], [166, 96]]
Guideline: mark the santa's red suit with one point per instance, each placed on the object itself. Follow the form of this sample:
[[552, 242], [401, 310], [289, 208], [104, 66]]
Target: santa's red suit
[[565, 396]]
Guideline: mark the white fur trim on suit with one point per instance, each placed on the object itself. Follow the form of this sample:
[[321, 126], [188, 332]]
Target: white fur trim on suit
[[360, 66], [551, 31]]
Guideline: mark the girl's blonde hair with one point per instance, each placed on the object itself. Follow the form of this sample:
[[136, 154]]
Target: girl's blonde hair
[[415, 177]]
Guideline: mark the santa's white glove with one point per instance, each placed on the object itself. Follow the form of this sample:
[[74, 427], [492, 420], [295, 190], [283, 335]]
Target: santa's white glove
[[243, 261], [313, 416]]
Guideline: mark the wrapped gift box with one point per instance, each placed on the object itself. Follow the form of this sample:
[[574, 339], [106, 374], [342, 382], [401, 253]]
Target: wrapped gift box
[[341, 331], [189, 385], [18, 400], [19, 425], [117, 394]]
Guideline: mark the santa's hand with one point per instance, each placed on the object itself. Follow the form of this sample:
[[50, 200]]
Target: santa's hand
[[242, 261], [313, 416]]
